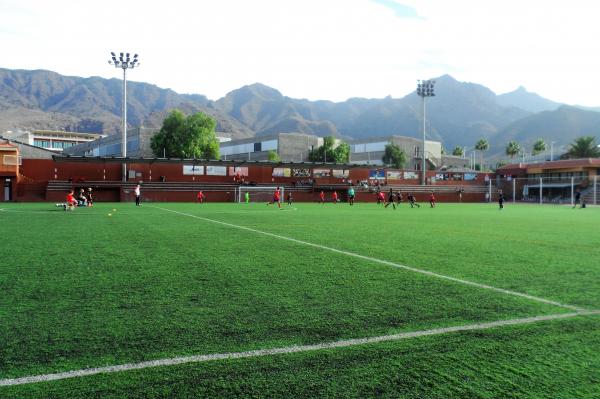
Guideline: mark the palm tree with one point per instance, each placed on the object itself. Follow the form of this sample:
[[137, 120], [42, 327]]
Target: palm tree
[[584, 147], [512, 149], [482, 145], [538, 147], [457, 151]]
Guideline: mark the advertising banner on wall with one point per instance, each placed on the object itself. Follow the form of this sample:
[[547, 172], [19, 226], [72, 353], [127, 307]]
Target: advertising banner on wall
[[377, 174], [341, 174], [282, 172], [301, 172], [470, 176], [321, 172], [238, 171], [193, 170], [216, 171], [394, 174], [411, 175]]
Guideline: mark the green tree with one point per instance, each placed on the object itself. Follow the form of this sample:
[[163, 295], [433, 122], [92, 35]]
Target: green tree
[[458, 151], [273, 156], [584, 147], [512, 149], [341, 153], [186, 137], [394, 156], [326, 152], [482, 145], [538, 147]]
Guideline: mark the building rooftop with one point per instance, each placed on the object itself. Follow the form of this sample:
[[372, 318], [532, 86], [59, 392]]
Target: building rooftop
[[560, 164], [67, 134]]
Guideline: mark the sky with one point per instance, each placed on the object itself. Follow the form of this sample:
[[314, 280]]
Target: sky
[[315, 49]]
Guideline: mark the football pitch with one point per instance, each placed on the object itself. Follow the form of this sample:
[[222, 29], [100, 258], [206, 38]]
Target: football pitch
[[245, 300]]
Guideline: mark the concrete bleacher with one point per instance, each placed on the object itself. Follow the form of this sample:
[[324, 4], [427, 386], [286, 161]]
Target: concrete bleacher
[[64, 185]]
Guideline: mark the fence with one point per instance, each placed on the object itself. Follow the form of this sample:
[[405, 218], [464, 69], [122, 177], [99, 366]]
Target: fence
[[546, 190]]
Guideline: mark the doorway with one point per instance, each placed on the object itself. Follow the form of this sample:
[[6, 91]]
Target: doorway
[[7, 190]]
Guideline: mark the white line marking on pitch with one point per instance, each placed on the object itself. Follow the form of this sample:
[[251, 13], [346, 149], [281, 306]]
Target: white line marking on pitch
[[284, 350], [385, 262]]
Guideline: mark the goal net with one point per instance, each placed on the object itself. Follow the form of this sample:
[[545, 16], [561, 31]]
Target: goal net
[[258, 194]]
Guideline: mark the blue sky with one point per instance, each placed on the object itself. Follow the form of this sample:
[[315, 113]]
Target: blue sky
[[315, 49]]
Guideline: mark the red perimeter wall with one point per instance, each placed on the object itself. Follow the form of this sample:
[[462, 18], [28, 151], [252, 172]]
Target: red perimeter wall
[[35, 175]]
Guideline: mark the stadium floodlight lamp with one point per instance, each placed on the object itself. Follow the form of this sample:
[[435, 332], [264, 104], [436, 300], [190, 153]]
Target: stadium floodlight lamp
[[424, 89], [124, 64]]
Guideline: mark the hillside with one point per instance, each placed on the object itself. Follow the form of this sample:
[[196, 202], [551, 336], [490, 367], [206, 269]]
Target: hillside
[[44, 99], [562, 125], [532, 102], [459, 114]]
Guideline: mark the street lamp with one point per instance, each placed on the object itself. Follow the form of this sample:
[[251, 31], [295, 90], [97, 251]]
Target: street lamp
[[125, 62], [424, 89]]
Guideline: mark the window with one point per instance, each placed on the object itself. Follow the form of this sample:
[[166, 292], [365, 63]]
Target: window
[[269, 145], [133, 145], [41, 143], [369, 147], [359, 148], [375, 147]]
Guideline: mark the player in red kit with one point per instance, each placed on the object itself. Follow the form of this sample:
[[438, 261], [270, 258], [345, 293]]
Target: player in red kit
[[380, 198], [432, 199], [322, 197], [276, 198], [335, 197], [200, 197], [71, 201]]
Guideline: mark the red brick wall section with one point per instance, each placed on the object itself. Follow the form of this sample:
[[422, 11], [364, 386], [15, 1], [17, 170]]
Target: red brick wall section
[[39, 172], [222, 196]]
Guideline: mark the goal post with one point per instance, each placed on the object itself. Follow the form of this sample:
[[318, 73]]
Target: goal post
[[258, 193]]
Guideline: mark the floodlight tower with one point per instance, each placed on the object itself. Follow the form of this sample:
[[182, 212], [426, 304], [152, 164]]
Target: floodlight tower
[[424, 89], [124, 62]]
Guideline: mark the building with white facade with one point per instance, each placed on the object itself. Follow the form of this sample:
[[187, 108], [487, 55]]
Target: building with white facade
[[53, 140], [291, 147]]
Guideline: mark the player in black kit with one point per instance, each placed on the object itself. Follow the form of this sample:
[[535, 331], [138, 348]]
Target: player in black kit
[[391, 199]]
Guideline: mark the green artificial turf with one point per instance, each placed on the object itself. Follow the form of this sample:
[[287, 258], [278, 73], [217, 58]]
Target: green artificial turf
[[554, 360], [84, 289]]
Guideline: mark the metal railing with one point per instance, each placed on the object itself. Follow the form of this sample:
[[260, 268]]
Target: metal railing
[[549, 190]]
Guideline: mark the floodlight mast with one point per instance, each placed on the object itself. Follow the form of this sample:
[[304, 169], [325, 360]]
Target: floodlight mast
[[424, 89], [124, 62]]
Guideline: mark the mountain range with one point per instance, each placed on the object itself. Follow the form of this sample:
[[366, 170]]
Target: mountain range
[[458, 115]]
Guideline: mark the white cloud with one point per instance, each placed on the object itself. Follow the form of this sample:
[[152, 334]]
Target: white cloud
[[331, 49]]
